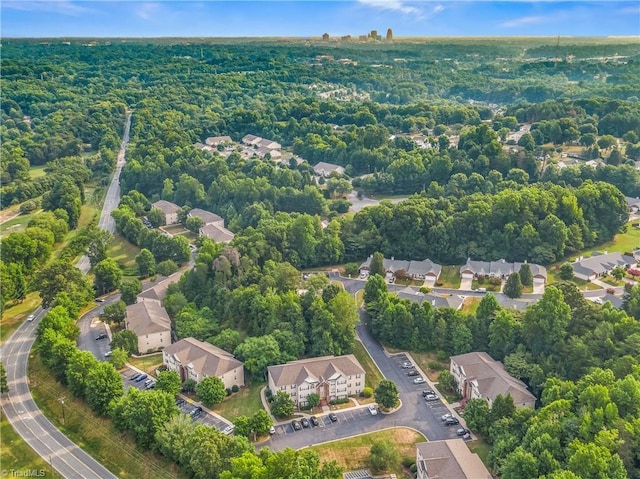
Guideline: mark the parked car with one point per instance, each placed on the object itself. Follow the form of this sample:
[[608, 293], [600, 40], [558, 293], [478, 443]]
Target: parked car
[[373, 409], [413, 372], [314, 421], [461, 431], [419, 381], [180, 402], [407, 365], [31, 317], [99, 300], [451, 421], [151, 385], [228, 430], [446, 416], [426, 392], [140, 378], [333, 417], [196, 412], [296, 425], [272, 431], [148, 381], [305, 422], [101, 336], [431, 397], [107, 354], [135, 376]]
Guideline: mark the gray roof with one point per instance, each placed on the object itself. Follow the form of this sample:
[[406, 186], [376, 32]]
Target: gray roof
[[445, 301], [500, 268], [216, 233], [269, 144], [614, 300], [601, 263], [417, 268], [205, 358], [251, 139], [451, 459], [492, 378], [315, 370], [158, 289], [205, 216], [166, 206], [216, 140], [323, 168], [147, 317]]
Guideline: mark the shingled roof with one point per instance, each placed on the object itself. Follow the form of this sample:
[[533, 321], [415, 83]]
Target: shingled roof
[[147, 317], [450, 459], [205, 358], [315, 370]]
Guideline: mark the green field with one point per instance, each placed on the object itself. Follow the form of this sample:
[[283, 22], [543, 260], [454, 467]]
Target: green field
[[374, 376], [352, 453], [125, 254], [450, 277], [243, 403], [148, 364], [19, 223], [37, 171]]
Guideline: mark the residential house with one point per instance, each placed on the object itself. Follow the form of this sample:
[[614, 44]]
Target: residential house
[[500, 269], [218, 140], [445, 301], [633, 204], [269, 144], [327, 169], [263, 151], [251, 140], [478, 375], [213, 226], [193, 359], [169, 209], [419, 270], [598, 265], [158, 289], [330, 377], [449, 459], [151, 324]]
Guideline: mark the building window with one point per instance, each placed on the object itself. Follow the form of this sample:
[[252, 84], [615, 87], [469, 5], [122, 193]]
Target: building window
[[358, 384]]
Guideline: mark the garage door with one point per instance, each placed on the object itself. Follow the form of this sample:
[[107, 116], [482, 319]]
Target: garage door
[[467, 275], [538, 280]]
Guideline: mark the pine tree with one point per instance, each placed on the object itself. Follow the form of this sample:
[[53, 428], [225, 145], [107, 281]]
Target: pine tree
[[513, 286]]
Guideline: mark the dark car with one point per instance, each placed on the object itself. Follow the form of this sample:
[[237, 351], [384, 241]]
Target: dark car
[[413, 372], [99, 300], [134, 377], [101, 336], [305, 422], [296, 425], [140, 378], [180, 402], [461, 431], [196, 412], [333, 417], [314, 420], [451, 421], [426, 392]]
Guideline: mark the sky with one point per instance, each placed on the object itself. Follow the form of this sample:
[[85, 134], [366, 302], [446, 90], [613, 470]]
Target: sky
[[308, 18]]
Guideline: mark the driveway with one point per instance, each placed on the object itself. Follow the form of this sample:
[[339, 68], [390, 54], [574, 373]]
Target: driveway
[[91, 326], [466, 284]]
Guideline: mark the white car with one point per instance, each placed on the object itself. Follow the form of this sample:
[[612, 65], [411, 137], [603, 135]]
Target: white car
[[228, 430], [373, 409], [419, 381], [31, 317]]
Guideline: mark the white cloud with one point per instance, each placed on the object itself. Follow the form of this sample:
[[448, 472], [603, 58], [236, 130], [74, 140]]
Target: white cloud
[[438, 8], [396, 5], [518, 22], [63, 7], [146, 10]]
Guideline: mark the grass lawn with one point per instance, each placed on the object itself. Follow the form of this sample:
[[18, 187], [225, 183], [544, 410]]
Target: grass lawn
[[175, 229], [408, 282], [125, 254], [494, 288], [470, 304], [449, 277], [18, 455], [374, 376], [352, 453], [19, 223], [95, 434], [622, 243], [423, 360], [13, 315], [612, 281], [481, 448], [359, 298], [37, 171], [243, 403], [148, 364]]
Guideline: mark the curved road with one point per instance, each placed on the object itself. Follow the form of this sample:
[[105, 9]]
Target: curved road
[[18, 405]]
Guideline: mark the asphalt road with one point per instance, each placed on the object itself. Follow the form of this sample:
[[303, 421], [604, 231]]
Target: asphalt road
[[18, 405], [91, 326], [29, 422]]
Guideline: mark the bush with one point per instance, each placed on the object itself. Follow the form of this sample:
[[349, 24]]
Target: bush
[[228, 391], [189, 386], [235, 388], [442, 356], [408, 461], [268, 394], [367, 393], [352, 269], [439, 283], [435, 366], [413, 468], [495, 281], [305, 408], [339, 401]]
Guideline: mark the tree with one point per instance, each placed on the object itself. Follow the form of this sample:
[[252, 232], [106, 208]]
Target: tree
[[377, 265], [118, 358], [114, 313], [227, 339], [108, 276], [211, 391], [525, 275], [513, 286], [383, 457], [502, 406], [282, 405], [313, 400], [103, 385], [129, 290], [126, 340], [386, 394], [166, 267], [261, 423], [544, 324], [476, 414], [566, 272], [168, 381], [99, 241], [618, 273], [447, 381], [257, 353], [520, 464], [4, 387], [146, 263], [194, 223], [242, 426], [78, 367], [156, 217], [60, 276], [189, 386]]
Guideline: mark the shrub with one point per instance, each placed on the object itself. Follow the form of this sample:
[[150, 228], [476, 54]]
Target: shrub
[[495, 281], [268, 394], [352, 269], [439, 283], [235, 388], [189, 386], [367, 393], [305, 408], [339, 401], [408, 461], [442, 356], [228, 391], [413, 468], [435, 366]]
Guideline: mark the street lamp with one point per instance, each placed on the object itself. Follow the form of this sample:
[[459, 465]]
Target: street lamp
[[61, 399]]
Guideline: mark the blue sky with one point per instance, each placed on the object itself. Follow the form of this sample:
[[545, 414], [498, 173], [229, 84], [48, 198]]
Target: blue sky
[[306, 18]]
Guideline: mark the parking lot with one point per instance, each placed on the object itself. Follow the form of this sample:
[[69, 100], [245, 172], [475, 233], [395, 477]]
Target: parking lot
[[361, 416], [204, 417]]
